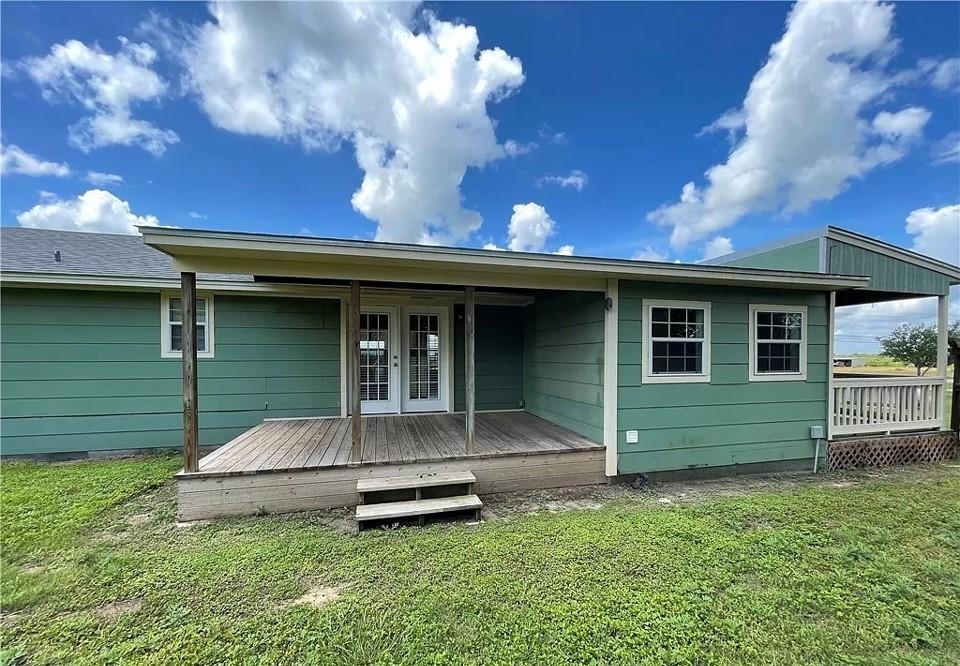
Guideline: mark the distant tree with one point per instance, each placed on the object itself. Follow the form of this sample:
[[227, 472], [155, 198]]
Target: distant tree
[[915, 344]]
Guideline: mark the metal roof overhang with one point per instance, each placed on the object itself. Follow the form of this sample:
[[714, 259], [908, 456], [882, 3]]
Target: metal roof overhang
[[201, 251]]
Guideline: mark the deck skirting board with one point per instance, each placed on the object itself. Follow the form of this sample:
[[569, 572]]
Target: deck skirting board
[[283, 492]]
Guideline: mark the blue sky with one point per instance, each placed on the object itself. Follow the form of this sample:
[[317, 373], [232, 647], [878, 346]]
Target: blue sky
[[591, 112]]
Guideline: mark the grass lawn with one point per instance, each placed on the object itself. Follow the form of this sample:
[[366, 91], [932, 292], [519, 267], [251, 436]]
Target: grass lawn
[[96, 571]]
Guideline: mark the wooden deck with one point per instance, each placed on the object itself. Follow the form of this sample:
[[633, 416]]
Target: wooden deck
[[303, 444], [304, 464]]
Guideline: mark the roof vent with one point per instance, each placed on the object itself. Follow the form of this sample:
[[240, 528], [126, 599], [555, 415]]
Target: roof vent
[[56, 256]]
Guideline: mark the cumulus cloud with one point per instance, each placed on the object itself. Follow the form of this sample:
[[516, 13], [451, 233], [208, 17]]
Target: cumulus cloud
[[717, 247], [530, 227], [107, 86], [805, 129], [407, 90], [942, 74], [575, 180], [936, 232], [565, 250], [94, 210], [101, 178], [15, 160]]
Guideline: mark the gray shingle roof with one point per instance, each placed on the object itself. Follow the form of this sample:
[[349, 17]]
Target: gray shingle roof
[[82, 253]]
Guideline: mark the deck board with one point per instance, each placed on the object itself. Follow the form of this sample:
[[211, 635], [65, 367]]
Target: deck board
[[305, 444]]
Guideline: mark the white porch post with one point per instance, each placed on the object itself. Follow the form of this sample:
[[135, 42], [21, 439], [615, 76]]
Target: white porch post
[[942, 324], [831, 332], [611, 323]]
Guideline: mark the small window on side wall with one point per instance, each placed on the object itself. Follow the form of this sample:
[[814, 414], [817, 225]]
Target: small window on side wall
[[677, 342], [172, 334], [778, 342]]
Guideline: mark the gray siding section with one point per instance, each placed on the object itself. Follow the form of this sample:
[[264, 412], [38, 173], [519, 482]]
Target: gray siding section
[[563, 361], [885, 273], [802, 256]]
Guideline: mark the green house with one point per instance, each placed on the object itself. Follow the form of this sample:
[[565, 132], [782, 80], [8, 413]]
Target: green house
[[289, 368]]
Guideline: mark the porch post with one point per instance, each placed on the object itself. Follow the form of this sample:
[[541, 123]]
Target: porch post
[[611, 332], [355, 424], [188, 297], [942, 329], [469, 324], [831, 333]]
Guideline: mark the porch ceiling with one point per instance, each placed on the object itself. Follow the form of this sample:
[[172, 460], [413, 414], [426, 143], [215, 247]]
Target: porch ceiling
[[294, 256]]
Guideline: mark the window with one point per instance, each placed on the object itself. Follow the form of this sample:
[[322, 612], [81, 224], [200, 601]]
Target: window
[[677, 347], [172, 333], [778, 343]]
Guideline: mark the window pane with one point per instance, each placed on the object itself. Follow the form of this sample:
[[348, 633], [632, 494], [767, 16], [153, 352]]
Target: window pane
[[678, 331], [201, 310], [661, 330], [678, 315], [176, 311], [763, 333], [659, 364], [201, 337], [660, 348], [778, 318], [763, 318], [695, 316], [176, 337], [659, 314], [778, 357], [675, 364]]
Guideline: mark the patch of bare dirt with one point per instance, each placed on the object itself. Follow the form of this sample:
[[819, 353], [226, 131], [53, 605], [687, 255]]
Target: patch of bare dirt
[[112, 611], [318, 596], [670, 493]]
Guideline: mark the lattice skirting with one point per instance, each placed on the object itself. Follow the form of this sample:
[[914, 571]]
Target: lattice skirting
[[891, 450]]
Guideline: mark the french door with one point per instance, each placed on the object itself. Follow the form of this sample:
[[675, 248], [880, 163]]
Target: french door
[[426, 353], [379, 360]]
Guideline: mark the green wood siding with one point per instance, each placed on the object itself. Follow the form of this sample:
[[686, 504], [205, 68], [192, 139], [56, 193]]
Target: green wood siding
[[885, 273], [563, 361], [498, 362], [731, 420], [82, 369], [802, 256]]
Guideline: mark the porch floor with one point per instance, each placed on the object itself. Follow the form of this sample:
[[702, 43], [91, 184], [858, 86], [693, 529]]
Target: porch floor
[[323, 443]]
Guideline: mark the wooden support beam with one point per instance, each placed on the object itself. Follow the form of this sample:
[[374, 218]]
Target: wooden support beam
[[354, 337], [469, 336], [191, 448]]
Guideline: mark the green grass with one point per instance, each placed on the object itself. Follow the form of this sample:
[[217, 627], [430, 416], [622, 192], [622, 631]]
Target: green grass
[[868, 573]]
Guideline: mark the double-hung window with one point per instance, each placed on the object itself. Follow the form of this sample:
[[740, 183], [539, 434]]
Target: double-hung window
[[172, 333], [677, 335], [778, 343]]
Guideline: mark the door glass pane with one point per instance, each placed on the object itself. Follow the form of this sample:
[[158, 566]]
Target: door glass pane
[[374, 356], [424, 357]]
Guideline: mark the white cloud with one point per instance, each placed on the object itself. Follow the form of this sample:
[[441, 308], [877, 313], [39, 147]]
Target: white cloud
[[717, 247], [559, 138], [942, 74], [46, 195], [492, 246], [530, 227], [648, 253], [15, 160], [407, 90], [565, 250], [936, 232], [194, 215], [859, 326], [100, 178], [947, 149], [107, 86], [94, 210], [905, 124], [805, 134], [575, 180], [516, 148]]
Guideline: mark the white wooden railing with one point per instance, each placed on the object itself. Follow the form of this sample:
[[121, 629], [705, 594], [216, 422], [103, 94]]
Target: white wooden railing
[[886, 404]]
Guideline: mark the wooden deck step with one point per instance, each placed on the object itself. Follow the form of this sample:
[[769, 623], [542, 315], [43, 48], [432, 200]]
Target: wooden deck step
[[390, 510], [414, 481]]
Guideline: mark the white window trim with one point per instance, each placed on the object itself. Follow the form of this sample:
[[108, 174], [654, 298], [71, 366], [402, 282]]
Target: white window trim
[[778, 376], [646, 344], [165, 351]]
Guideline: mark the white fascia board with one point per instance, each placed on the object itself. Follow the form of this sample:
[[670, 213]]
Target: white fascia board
[[221, 252]]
